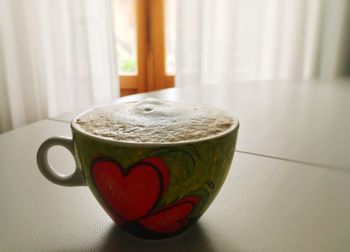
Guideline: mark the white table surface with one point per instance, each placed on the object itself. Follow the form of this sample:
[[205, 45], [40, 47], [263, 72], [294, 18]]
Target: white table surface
[[307, 122], [266, 204]]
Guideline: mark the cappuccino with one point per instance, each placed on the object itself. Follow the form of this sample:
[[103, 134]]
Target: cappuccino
[[155, 121]]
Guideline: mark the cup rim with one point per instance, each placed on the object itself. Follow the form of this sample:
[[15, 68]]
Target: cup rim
[[74, 128]]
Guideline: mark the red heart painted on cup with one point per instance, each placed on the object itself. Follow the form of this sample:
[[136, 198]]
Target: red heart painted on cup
[[132, 194], [171, 218]]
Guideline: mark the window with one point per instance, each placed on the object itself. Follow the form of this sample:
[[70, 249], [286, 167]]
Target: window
[[145, 51]]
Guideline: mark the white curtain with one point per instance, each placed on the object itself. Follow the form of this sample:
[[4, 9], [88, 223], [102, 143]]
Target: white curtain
[[55, 57], [232, 40]]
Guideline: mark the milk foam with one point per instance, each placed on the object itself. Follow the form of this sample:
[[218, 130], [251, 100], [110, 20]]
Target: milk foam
[[155, 121]]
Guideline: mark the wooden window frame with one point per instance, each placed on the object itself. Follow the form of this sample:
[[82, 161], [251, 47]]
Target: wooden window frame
[[151, 74]]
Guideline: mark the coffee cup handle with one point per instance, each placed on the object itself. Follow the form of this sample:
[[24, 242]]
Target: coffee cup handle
[[74, 179]]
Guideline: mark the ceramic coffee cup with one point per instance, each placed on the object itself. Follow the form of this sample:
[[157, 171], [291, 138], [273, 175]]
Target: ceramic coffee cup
[[151, 190]]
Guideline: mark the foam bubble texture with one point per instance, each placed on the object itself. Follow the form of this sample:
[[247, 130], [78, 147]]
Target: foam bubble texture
[[154, 121]]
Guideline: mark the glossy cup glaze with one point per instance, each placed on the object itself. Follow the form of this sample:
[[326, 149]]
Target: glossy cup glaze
[[151, 190]]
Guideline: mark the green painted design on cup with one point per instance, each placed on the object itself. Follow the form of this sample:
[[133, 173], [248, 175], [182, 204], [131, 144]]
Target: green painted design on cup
[[196, 172]]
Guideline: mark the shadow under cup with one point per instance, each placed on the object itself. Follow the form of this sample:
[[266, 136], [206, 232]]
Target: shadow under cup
[[151, 191]]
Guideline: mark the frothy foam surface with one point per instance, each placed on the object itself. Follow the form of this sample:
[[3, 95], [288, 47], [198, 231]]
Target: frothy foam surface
[[155, 121]]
